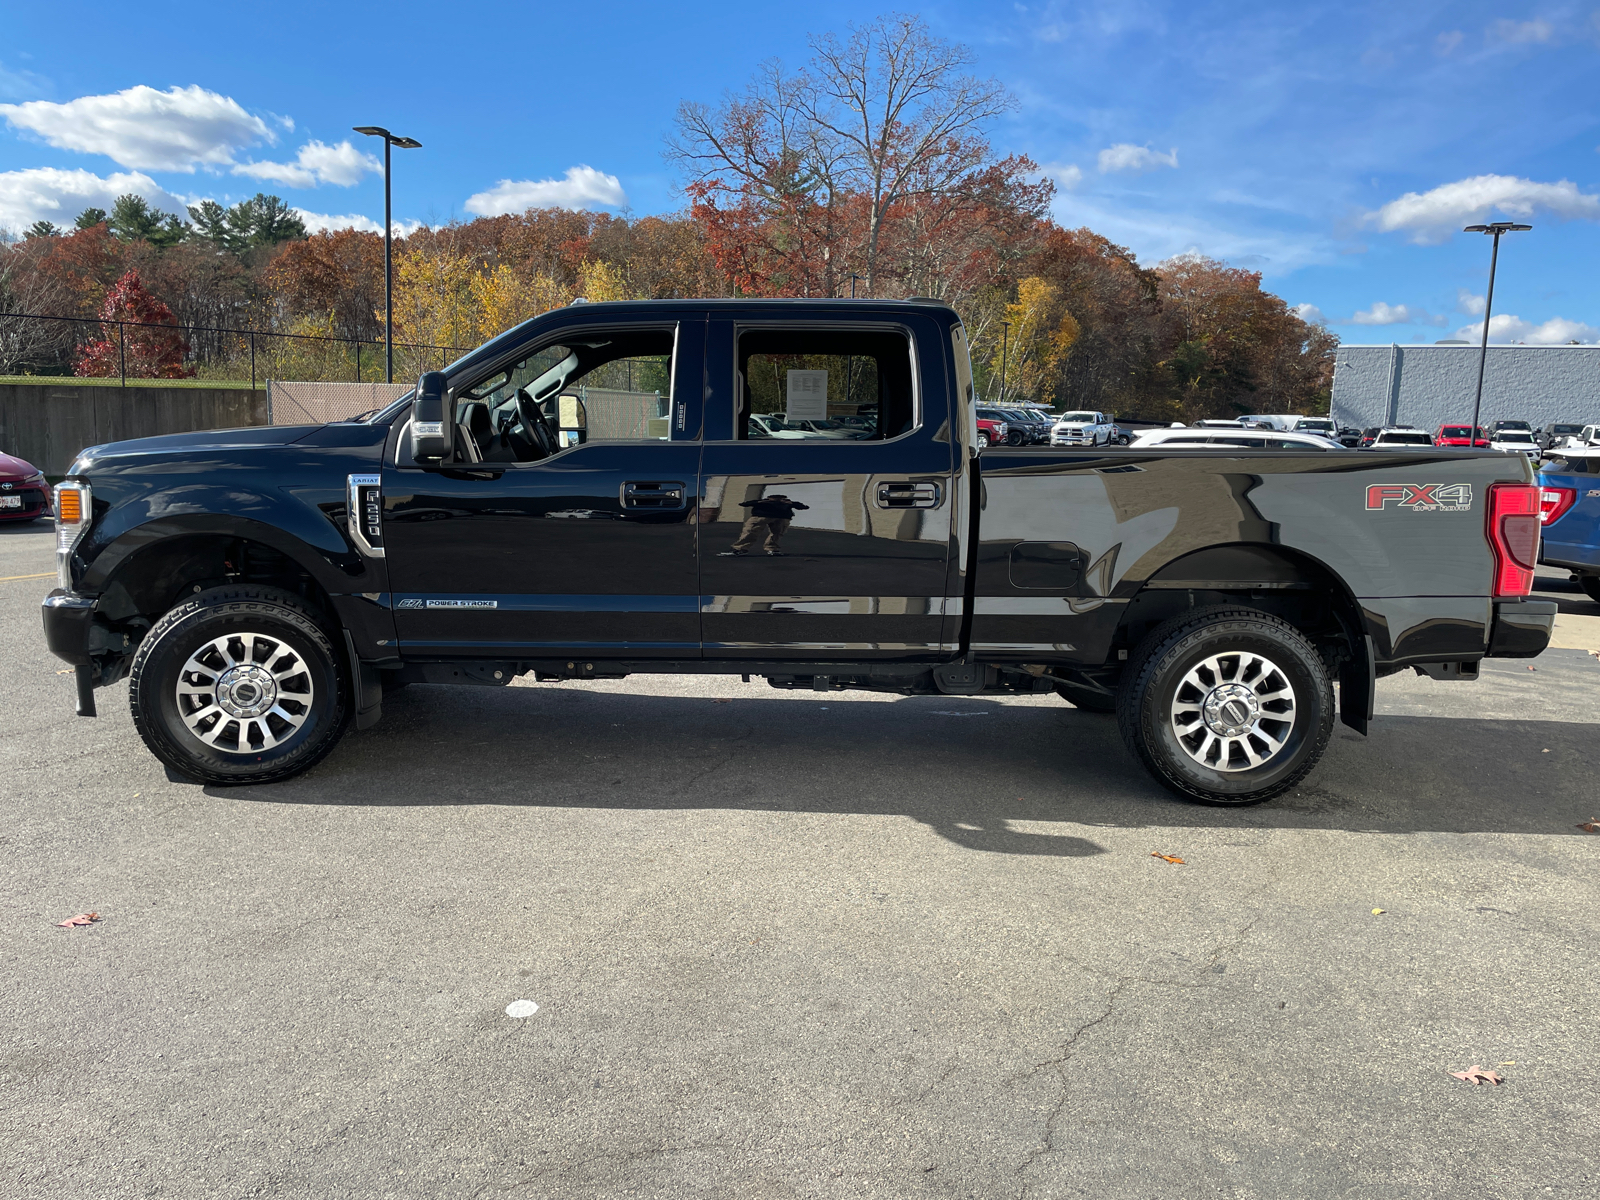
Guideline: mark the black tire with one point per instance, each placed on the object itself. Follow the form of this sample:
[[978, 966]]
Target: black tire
[[288, 645], [983, 440], [1213, 763], [1086, 699], [1591, 586], [1016, 438]]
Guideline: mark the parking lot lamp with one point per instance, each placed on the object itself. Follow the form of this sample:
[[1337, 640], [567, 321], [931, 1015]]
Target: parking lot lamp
[[1496, 228], [405, 143], [1005, 345]]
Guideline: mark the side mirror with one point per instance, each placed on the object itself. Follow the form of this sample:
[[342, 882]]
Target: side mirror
[[431, 420], [572, 419]]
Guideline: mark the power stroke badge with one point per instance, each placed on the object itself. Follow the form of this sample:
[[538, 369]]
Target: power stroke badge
[[414, 602], [1420, 497]]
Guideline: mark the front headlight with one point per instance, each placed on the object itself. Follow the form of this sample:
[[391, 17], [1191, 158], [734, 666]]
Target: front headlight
[[74, 511], [1002, 428]]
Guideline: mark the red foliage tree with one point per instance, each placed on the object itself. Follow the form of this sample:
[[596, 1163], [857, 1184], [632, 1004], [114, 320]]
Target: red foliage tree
[[133, 340]]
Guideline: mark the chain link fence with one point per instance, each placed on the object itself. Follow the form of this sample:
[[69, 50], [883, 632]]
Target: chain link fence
[[208, 353]]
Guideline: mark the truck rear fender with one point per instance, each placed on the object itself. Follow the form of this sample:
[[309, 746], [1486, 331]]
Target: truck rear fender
[[1276, 579]]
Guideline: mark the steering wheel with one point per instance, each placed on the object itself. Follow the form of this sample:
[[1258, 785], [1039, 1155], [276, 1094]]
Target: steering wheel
[[537, 424]]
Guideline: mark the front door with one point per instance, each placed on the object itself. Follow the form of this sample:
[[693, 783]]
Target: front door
[[564, 525], [825, 518]]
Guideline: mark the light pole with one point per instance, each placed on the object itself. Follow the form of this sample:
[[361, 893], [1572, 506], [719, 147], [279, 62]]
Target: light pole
[[1005, 346], [404, 143], [1496, 228], [853, 278]]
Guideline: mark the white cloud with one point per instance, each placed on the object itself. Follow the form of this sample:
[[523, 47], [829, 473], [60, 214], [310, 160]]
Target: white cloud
[[1433, 216], [1309, 313], [342, 165], [1447, 43], [50, 194], [1395, 314], [1067, 176], [17, 84], [175, 130], [1469, 303], [1125, 156], [327, 223], [1521, 33], [584, 187], [1557, 331]]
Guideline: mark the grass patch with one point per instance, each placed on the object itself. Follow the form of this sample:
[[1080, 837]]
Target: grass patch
[[70, 381]]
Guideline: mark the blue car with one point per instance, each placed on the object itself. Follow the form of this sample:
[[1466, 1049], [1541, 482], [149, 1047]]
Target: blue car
[[1569, 510]]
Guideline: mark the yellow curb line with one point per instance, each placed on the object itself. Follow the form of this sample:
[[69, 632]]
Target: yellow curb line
[[13, 578]]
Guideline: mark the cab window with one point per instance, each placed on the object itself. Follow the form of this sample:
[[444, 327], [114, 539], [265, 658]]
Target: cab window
[[597, 386], [823, 385]]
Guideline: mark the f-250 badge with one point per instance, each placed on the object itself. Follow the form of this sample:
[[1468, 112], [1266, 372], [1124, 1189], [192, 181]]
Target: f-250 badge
[[1420, 497]]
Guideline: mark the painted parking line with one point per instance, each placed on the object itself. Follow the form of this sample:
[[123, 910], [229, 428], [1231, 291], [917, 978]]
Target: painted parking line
[[41, 575]]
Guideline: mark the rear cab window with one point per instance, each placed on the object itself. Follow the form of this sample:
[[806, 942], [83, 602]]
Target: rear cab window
[[824, 385]]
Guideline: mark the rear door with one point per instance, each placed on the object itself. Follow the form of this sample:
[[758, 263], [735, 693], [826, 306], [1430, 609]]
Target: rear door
[[824, 547], [584, 546]]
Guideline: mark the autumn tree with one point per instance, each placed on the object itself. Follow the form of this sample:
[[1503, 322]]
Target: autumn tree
[[132, 341], [338, 274], [1041, 335], [800, 179]]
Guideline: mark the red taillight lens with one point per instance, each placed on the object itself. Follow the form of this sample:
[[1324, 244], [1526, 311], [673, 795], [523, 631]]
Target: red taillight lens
[[1514, 512], [1554, 502]]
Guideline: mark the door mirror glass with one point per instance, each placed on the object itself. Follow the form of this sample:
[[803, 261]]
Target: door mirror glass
[[572, 419], [431, 423]]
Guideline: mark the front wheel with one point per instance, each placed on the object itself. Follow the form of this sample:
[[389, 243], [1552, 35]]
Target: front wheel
[[1226, 705], [983, 441], [239, 685]]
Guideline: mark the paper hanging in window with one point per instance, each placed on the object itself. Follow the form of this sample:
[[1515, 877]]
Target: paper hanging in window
[[808, 396]]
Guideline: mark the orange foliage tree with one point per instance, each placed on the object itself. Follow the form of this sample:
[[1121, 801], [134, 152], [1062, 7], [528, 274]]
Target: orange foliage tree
[[143, 350]]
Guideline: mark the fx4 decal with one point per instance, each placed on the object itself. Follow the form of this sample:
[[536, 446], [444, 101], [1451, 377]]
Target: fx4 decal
[[1421, 497]]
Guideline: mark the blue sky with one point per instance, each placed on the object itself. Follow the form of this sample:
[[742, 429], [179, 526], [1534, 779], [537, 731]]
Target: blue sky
[[1335, 148]]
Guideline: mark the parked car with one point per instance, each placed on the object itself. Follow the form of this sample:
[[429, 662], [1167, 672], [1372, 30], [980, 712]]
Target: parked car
[[1083, 427], [1461, 435], [1569, 514], [1019, 429], [259, 589], [1398, 435], [24, 495], [1498, 426], [1515, 441], [1252, 439], [1035, 424], [1348, 436], [992, 432], [1555, 434]]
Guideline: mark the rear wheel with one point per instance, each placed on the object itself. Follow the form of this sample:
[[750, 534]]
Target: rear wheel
[[239, 685], [1226, 705]]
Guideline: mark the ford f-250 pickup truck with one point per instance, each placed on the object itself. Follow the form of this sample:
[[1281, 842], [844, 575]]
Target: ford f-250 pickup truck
[[591, 494]]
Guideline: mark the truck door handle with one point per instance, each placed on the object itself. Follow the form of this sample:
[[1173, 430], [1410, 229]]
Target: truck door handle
[[909, 495], [652, 494]]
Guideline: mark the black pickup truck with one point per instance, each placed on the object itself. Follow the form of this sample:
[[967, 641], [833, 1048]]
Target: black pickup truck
[[789, 489]]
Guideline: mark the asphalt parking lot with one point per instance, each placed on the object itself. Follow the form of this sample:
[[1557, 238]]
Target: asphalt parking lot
[[798, 945]]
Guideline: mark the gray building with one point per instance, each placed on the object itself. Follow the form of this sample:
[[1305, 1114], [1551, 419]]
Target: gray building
[[1429, 386]]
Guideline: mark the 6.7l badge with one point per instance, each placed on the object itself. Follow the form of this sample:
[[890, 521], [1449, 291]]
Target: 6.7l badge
[[1420, 497]]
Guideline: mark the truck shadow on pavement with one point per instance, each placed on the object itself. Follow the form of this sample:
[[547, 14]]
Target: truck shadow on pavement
[[987, 776]]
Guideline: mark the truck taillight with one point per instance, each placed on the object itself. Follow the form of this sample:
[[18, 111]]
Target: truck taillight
[[1514, 513], [1554, 502]]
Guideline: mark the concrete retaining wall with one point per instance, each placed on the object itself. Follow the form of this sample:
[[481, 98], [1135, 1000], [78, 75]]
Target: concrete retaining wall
[[47, 423], [1429, 386]]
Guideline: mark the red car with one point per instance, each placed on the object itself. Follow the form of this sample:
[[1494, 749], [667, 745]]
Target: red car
[[1461, 435], [24, 494], [991, 433]]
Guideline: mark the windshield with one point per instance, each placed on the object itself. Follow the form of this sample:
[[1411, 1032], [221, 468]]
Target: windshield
[[1457, 431], [1318, 425], [1405, 439], [1512, 435], [1086, 418]]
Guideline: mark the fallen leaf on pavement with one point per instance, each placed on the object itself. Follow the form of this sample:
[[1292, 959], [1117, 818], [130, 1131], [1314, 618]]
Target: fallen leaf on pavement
[[1171, 858], [68, 671], [80, 919], [1590, 826], [1378, 912], [1477, 1076]]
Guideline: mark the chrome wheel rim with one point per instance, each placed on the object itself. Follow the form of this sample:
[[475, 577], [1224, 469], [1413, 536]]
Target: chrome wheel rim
[[245, 692], [1234, 711]]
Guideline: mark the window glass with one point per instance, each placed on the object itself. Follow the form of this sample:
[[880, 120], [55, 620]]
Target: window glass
[[605, 386], [824, 385]]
